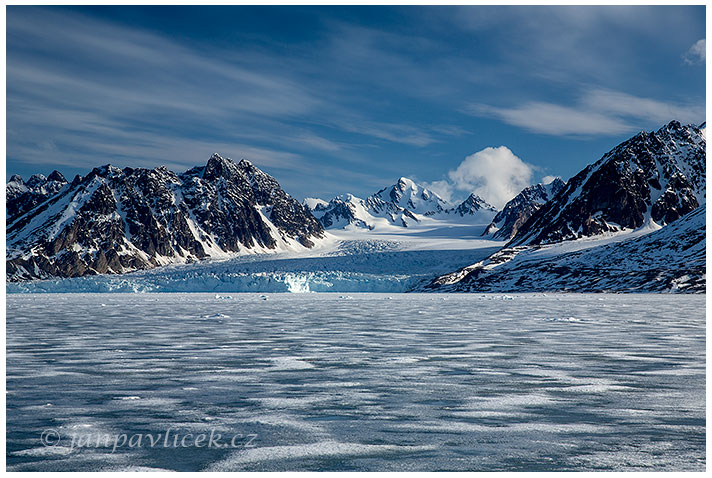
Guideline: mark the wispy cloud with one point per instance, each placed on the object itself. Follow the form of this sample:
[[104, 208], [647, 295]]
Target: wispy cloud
[[597, 112], [567, 44], [397, 133], [119, 92], [138, 71], [647, 109], [548, 118], [360, 94]]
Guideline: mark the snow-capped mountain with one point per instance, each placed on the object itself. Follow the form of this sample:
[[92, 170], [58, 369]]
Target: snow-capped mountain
[[117, 220], [653, 178], [671, 259], [314, 203], [22, 196], [616, 225], [403, 204], [516, 212], [343, 211], [405, 195]]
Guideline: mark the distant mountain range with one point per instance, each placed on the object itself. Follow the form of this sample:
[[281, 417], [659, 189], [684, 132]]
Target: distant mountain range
[[630, 221], [403, 204]]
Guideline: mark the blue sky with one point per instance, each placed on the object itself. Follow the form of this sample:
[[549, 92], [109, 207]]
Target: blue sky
[[347, 99]]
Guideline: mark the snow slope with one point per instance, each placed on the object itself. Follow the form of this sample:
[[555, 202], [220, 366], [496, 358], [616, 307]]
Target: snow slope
[[670, 259]]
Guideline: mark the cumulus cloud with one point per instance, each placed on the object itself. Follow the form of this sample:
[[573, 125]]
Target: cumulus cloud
[[495, 174], [442, 188], [696, 53]]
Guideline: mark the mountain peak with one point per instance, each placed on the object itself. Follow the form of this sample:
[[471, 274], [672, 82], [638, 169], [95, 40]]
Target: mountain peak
[[406, 183], [218, 167], [475, 198], [56, 176], [473, 205], [22, 196], [674, 124], [106, 170], [36, 180]]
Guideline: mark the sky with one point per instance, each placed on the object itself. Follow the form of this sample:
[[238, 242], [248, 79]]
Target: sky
[[331, 100]]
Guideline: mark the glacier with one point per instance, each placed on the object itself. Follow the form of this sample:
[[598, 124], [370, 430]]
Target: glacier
[[345, 261]]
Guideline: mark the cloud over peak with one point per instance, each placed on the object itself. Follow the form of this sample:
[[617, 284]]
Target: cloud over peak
[[495, 174]]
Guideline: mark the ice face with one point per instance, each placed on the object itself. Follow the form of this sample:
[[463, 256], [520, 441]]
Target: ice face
[[353, 266], [360, 382]]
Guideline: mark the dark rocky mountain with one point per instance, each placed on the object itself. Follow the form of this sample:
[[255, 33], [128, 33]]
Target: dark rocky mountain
[[117, 220], [636, 213], [671, 259], [22, 196], [653, 177], [516, 212]]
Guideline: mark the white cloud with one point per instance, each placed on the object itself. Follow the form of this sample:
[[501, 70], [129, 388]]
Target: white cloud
[[495, 174], [697, 52], [442, 188], [622, 104], [394, 132], [548, 118], [596, 112]]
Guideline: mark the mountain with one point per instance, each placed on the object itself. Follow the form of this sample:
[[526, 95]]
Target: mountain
[[345, 210], [653, 178], [671, 259], [403, 204], [118, 220], [516, 212], [632, 221], [22, 196], [314, 203], [405, 195], [472, 206]]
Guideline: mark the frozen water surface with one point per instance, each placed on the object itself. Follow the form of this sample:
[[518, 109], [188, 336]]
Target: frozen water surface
[[360, 382]]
